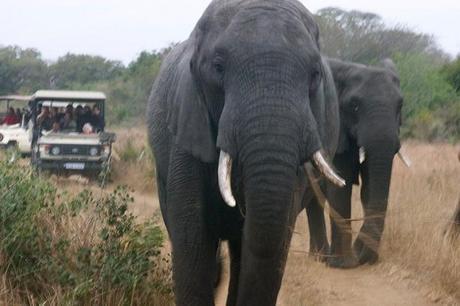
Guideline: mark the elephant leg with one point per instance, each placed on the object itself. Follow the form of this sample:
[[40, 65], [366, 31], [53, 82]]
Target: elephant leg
[[219, 260], [319, 246], [193, 245], [342, 255], [235, 266], [367, 243]]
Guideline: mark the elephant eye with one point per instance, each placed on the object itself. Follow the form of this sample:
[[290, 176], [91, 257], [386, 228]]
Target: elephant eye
[[315, 81], [354, 105], [219, 68]]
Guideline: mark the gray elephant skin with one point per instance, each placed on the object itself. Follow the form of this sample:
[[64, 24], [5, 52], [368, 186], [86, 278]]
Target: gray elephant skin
[[248, 83], [370, 102]]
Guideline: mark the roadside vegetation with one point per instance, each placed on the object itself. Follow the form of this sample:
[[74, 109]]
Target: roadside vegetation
[[85, 249]]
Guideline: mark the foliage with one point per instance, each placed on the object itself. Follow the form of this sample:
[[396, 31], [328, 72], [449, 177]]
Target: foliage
[[431, 105], [451, 71], [88, 248], [72, 70], [364, 38], [21, 71]]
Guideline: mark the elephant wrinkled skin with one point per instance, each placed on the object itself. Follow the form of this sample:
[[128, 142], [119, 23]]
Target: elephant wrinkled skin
[[249, 82]]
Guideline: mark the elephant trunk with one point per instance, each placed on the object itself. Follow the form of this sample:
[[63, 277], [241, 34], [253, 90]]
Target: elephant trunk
[[376, 178], [269, 175]]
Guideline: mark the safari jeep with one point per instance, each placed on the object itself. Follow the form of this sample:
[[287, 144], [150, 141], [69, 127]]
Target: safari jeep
[[68, 131], [15, 134]]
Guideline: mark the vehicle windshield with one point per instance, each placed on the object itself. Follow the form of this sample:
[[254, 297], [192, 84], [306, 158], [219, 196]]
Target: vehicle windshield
[[69, 117], [14, 112]]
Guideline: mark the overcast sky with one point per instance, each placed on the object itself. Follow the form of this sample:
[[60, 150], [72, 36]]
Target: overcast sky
[[120, 29]]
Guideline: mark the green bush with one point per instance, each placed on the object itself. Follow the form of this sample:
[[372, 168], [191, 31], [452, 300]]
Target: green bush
[[430, 108], [90, 249]]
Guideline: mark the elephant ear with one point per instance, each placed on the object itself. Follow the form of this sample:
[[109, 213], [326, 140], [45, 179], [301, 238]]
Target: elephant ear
[[339, 73], [325, 108], [188, 117]]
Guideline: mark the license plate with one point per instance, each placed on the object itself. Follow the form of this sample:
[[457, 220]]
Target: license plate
[[74, 166]]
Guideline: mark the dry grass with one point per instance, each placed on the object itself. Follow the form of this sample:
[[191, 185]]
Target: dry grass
[[422, 204], [133, 161]]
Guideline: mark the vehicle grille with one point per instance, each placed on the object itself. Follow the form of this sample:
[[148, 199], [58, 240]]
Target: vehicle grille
[[76, 150]]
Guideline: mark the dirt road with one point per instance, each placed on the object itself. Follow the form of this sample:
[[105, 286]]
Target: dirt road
[[307, 282]]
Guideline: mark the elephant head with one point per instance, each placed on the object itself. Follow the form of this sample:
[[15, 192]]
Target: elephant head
[[254, 80], [370, 101]]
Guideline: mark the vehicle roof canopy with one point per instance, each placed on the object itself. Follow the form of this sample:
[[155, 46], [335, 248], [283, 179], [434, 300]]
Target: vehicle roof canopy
[[15, 98], [70, 96]]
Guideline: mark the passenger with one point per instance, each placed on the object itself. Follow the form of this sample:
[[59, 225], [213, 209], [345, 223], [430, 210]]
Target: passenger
[[67, 123], [56, 127], [84, 118], [10, 118], [69, 109], [19, 114], [44, 119], [54, 112], [78, 118], [97, 119], [87, 129]]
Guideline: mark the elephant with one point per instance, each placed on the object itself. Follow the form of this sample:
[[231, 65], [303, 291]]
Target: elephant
[[235, 113], [370, 102]]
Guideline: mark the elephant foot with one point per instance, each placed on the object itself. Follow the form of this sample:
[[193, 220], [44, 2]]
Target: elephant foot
[[343, 262], [320, 255], [364, 253]]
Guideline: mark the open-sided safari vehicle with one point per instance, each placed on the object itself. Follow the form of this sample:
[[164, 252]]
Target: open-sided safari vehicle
[[68, 131], [15, 128]]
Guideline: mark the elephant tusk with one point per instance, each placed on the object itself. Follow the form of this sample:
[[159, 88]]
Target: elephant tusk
[[404, 159], [362, 155], [224, 173], [326, 170]]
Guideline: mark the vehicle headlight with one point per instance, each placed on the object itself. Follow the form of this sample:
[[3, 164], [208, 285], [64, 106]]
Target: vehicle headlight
[[1, 137], [93, 151], [105, 150], [44, 149], [55, 150]]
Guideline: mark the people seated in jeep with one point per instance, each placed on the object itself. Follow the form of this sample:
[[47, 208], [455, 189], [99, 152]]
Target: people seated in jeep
[[56, 127], [11, 118], [83, 116], [67, 123], [44, 119], [97, 121]]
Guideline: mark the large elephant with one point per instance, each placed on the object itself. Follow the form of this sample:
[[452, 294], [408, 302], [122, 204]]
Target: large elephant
[[370, 117], [249, 83]]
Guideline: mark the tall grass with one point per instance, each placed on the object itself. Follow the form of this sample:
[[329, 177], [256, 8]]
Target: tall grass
[[422, 204], [133, 162]]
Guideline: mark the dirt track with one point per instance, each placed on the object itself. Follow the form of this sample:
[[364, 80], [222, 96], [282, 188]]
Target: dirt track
[[307, 282]]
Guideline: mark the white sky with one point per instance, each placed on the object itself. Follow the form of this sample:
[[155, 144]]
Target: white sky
[[121, 29]]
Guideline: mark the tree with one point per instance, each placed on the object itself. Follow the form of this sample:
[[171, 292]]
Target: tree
[[363, 37], [21, 70], [75, 70]]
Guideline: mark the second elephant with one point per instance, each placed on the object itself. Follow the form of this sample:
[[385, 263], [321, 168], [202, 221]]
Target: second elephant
[[370, 101]]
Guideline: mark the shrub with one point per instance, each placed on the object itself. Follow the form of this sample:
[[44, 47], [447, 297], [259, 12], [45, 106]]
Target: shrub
[[88, 249]]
